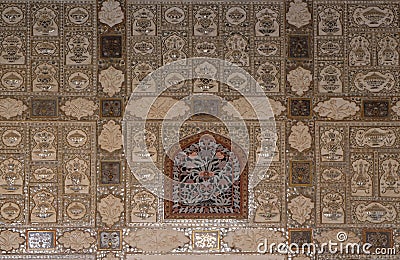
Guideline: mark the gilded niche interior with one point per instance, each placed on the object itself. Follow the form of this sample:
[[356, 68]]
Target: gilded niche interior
[[329, 68]]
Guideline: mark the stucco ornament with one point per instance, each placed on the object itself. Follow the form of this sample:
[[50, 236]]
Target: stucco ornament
[[300, 137], [159, 240], [336, 108], [396, 108], [79, 107], [10, 240], [298, 14], [247, 239], [111, 13], [111, 80], [300, 80], [110, 138], [247, 111], [76, 240], [333, 235], [110, 209], [301, 207], [10, 107]]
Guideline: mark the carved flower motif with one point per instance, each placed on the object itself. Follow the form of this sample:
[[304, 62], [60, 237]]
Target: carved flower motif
[[10, 240], [110, 138], [276, 106], [332, 235], [111, 13], [298, 14], [79, 107], [300, 137], [300, 80], [159, 240], [247, 239], [336, 108], [396, 108], [110, 208], [76, 240], [301, 208], [10, 107], [247, 110], [111, 80]]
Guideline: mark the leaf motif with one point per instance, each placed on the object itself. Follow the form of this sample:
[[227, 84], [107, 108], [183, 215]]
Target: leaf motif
[[396, 108], [298, 14], [10, 107], [300, 137], [111, 80], [300, 80], [10, 240], [247, 239], [336, 108], [111, 13], [110, 138], [110, 209], [301, 208], [76, 240], [331, 235], [79, 108], [160, 240]]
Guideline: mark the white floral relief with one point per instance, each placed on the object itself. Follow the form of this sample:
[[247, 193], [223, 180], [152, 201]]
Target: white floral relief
[[298, 14], [10, 107], [110, 209], [277, 107], [332, 235], [301, 207], [300, 137], [10, 240], [111, 80], [79, 107], [246, 109], [76, 240], [247, 239], [336, 108], [396, 108], [300, 80], [110, 138], [159, 240], [168, 108], [111, 13]]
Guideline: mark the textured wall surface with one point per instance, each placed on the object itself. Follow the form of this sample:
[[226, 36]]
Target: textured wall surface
[[330, 70]]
